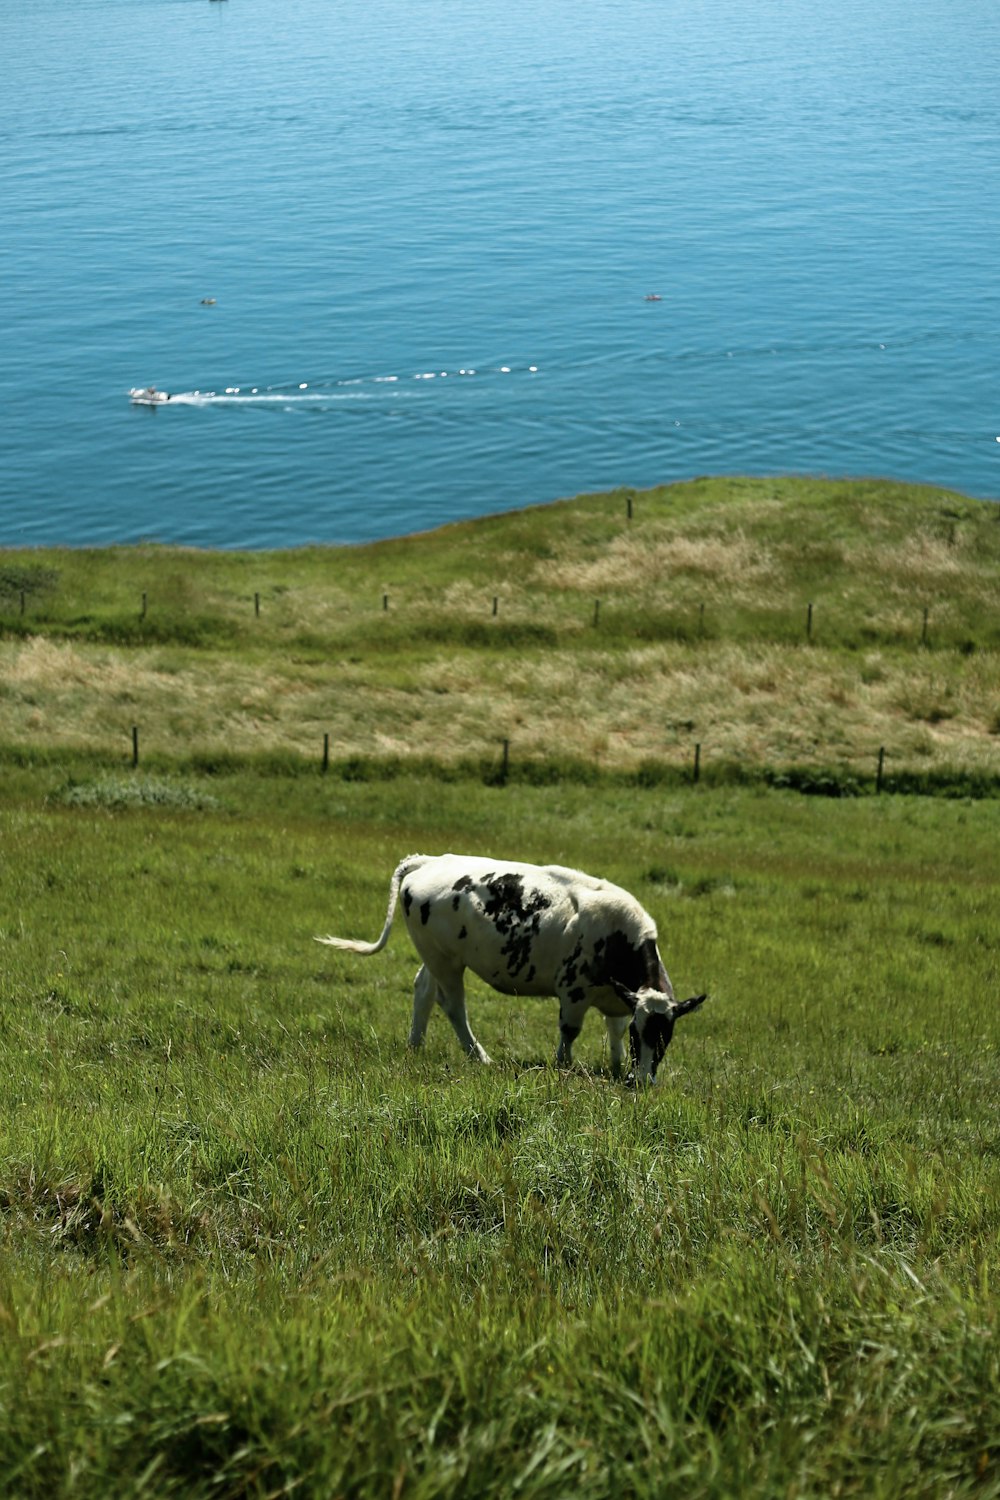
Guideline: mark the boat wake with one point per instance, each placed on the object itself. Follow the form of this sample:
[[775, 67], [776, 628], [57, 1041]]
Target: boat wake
[[319, 394]]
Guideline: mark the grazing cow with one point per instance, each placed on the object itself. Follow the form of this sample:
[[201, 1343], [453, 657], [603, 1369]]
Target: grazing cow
[[533, 930]]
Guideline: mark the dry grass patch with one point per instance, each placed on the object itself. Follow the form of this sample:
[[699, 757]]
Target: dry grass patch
[[646, 561], [759, 704], [928, 560], [41, 665], [925, 567]]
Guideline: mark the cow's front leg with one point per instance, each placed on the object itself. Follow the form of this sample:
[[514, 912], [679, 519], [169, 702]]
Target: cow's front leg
[[617, 1027], [571, 1014]]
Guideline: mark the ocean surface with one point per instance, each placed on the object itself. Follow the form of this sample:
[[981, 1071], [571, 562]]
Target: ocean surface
[[392, 260]]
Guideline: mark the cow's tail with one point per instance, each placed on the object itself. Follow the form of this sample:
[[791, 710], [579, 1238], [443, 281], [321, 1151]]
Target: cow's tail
[[355, 945]]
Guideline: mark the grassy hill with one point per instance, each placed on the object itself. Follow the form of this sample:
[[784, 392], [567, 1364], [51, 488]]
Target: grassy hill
[[252, 1246], [776, 623]]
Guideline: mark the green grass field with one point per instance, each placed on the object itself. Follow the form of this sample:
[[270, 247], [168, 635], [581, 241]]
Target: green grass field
[[250, 1245]]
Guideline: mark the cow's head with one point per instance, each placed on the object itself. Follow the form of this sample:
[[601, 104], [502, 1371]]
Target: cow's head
[[653, 1017]]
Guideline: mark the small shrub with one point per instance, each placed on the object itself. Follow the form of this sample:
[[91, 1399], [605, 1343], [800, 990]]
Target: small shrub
[[30, 579], [814, 781], [123, 791]]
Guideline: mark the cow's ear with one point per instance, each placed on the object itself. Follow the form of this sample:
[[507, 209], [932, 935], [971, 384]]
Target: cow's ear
[[625, 995], [682, 1007]]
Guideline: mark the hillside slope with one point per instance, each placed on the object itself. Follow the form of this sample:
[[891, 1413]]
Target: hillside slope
[[773, 622]]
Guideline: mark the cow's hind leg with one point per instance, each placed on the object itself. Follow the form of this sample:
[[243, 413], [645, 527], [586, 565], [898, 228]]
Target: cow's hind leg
[[451, 998], [424, 995]]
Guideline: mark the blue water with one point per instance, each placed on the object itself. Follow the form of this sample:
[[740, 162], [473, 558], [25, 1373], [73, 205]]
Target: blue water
[[422, 188]]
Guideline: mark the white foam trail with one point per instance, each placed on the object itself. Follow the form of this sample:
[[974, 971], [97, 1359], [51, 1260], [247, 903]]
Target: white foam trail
[[331, 392], [258, 398]]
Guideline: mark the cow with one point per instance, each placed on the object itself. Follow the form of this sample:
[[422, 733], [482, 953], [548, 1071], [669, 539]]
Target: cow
[[533, 930]]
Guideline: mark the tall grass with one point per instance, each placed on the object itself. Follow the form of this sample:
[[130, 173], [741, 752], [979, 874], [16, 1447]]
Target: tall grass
[[251, 1246]]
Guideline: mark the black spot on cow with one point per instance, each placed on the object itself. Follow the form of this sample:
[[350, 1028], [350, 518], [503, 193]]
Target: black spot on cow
[[464, 883], [621, 959], [425, 912], [517, 916], [577, 994], [463, 934], [505, 903], [407, 901], [454, 902], [571, 966]]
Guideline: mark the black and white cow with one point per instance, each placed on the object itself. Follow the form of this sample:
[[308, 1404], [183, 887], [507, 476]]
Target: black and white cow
[[533, 930]]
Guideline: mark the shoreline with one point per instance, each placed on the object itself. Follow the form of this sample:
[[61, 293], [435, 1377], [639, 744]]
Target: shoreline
[[620, 492]]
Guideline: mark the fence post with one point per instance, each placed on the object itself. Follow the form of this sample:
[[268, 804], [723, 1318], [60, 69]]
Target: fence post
[[22, 601], [628, 506], [385, 601], [505, 763], [496, 604], [326, 754], [878, 773], [697, 764], [809, 623], [135, 744], [256, 605], [923, 633], [142, 613], [597, 610], [701, 619]]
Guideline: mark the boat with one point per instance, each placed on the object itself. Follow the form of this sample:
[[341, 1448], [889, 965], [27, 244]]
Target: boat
[[148, 396]]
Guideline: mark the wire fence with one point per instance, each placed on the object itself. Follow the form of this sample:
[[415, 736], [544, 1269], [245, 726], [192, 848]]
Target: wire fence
[[498, 766], [696, 622]]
